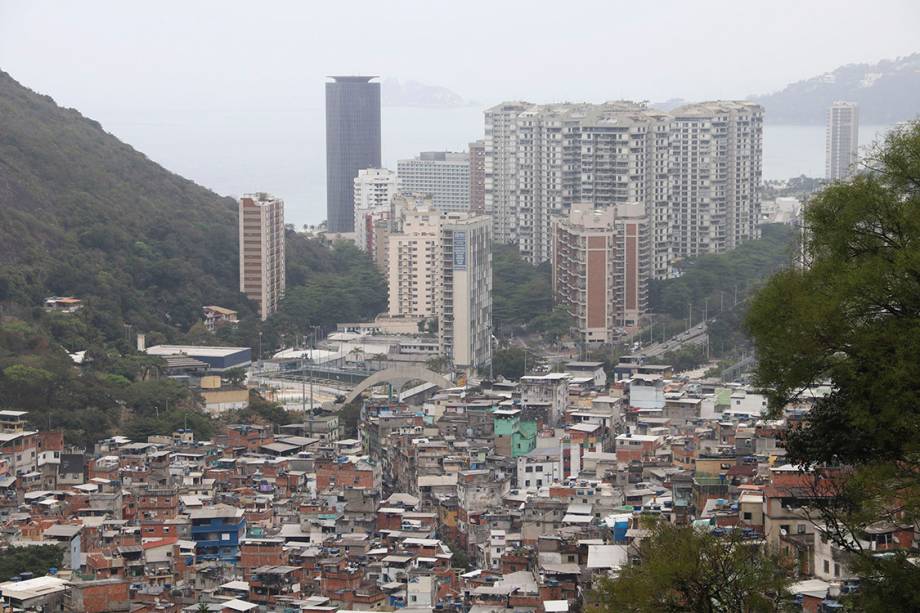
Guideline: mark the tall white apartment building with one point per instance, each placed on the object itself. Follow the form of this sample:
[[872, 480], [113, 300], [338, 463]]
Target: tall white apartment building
[[465, 307], [413, 260], [539, 159], [440, 265], [715, 177], [261, 231], [841, 140], [443, 175], [501, 168], [374, 191]]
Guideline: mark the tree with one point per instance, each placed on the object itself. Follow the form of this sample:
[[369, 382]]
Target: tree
[[235, 376], [553, 325], [681, 568], [851, 318], [36, 559], [509, 363]]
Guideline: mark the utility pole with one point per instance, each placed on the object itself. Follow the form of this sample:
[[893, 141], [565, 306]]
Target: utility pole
[[721, 301], [706, 309], [690, 315]]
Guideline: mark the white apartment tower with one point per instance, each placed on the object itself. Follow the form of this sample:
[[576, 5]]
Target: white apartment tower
[[440, 265], [443, 175], [841, 140], [465, 307], [374, 191], [261, 225], [716, 151], [540, 159], [501, 166], [413, 259]]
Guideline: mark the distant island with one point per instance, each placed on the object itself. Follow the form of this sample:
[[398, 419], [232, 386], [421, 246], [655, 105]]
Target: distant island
[[887, 92], [415, 94]]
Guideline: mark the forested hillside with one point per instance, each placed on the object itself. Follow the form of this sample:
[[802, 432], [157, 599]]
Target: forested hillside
[[84, 214]]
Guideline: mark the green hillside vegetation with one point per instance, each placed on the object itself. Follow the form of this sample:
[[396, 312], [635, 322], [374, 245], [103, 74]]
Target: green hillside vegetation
[[83, 214], [522, 297], [717, 278]]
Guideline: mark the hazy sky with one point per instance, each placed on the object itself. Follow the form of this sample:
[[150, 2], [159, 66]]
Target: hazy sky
[[152, 72]]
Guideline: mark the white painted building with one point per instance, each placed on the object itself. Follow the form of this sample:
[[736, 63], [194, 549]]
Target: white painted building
[[374, 190], [443, 175], [841, 141], [696, 169]]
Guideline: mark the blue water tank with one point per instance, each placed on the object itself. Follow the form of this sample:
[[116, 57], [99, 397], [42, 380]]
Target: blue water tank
[[619, 531]]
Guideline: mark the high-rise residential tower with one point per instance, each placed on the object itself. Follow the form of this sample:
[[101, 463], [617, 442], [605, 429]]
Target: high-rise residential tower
[[477, 153], [715, 158], [374, 192], [440, 266], [841, 140], [352, 143], [465, 297], [697, 170], [443, 175], [602, 262], [261, 226]]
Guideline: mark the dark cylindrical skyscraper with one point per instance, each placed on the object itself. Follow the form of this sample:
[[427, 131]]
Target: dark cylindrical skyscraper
[[352, 143]]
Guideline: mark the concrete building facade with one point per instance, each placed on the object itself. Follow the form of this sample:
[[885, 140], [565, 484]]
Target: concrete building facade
[[601, 267], [352, 143], [465, 309], [439, 266], [841, 140], [696, 169], [443, 175], [373, 198], [477, 153], [261, 233]]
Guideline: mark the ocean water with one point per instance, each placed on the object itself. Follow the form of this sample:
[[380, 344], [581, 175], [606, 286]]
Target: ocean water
[[283, 151]]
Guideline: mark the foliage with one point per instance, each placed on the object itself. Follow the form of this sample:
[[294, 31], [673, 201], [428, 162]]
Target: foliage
[[553, 325], [261, 411], [520, 292], [717, 278], [440, 364], [684, 569], [687, 357], [36, 559], [144, 249], [853, 318], [349, 416], [84, 214], [509, 363]]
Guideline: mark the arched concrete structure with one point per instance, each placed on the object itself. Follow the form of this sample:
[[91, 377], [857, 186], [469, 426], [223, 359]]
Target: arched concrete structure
[[398, 376]]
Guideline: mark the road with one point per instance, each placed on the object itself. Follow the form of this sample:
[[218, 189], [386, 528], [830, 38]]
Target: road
[[694, 336]]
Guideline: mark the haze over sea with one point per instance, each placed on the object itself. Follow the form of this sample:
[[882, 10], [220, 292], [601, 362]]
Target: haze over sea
[[283, 151]]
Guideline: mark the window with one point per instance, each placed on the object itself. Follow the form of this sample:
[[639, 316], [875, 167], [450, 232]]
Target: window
[[827, 567], [800, 528], [836, 569], [747, 516]]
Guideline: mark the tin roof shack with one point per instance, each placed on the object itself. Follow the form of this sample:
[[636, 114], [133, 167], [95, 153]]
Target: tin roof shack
[[38, 594]]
